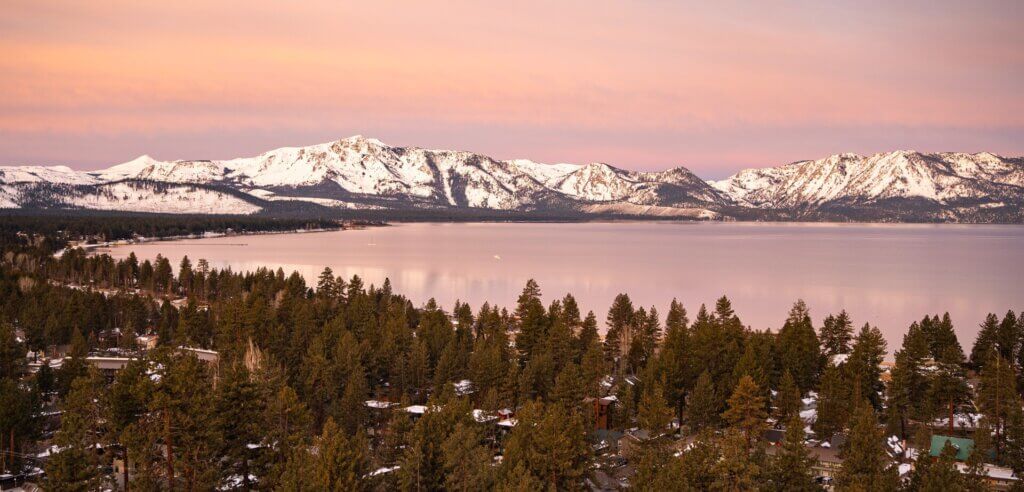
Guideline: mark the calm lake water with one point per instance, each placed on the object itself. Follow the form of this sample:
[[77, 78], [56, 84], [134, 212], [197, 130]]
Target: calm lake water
[[888, 275]]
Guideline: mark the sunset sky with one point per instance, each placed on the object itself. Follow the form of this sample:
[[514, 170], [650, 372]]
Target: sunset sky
[[638, 84]]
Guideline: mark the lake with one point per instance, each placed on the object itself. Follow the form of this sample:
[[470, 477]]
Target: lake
[[888, 275]]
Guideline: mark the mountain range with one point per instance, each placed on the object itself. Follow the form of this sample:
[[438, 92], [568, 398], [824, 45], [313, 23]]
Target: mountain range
[[363, 175]]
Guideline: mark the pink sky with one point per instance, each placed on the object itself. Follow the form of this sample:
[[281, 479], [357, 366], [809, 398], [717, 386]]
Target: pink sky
[[642, 84]]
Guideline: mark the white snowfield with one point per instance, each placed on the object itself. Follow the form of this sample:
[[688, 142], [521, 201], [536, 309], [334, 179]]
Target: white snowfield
[[360, 172]]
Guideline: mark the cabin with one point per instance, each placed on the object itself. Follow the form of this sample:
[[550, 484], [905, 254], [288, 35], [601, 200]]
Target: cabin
[[603, 412], [109, 366]]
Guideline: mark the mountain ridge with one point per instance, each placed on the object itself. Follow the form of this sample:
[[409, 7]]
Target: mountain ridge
[[361, 173]]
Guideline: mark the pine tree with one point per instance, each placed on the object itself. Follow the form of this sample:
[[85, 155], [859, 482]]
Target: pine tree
[[185, 275], [836, 334], [738, 468], [997, 398], [791, 469], [12, 353], [625, 412], [942, 474], [866, 464], [593, 369], [833, 404], [339, 463], [519, 480], [908, 392], [619, 336], [943, 340], [351, 409], [240, 409], [422, 465], [949, 386], [467, 461], [863, 365], [717, 343], [757, 361], [1007, 337], [288, 425], [699, 461], [986, 342], [77, 466], [587, 336], [549, 444], [124, 406], [746, 410], [325, 287], [974, 475], [532, 320], [318, 381], [898, 402], [799, 349], [569, 388], [674, 361], [653, 413], [702, 406], [180, 401], [788, 399], [657, 469]]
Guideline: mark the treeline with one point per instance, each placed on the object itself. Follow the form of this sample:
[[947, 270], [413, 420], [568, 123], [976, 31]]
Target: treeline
[[51, 230], [285, 408]]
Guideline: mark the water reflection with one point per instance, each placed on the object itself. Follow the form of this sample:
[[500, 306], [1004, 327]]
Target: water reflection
[[888, 275]]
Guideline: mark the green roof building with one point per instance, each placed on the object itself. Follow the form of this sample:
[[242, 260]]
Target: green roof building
[[963, 446]]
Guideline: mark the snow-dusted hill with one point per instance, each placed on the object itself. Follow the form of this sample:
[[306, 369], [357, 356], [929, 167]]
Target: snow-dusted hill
[[942, 180], [359, 173]]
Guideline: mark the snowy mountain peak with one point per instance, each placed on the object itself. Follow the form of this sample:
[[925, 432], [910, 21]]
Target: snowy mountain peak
[[943, 178], [363, 172], [359, 139]]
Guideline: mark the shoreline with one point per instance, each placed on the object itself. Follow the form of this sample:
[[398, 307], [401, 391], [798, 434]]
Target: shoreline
[[97, 247]]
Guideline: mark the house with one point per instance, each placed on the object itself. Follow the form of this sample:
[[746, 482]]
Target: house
[[379, 404], [109, 366], [604, 441], [208, 356], [631, 442], [603, 411], [962, 445], [147, 342], [108, 339], [464, 387], [996, 477]]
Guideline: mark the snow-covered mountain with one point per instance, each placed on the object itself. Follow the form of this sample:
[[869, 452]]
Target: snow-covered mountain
[[359, 172], [948, 184], [364, 173]]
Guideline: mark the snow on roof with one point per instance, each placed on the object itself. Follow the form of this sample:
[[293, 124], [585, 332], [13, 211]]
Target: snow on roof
[[992, 471], [463, 387], [416, 409], [482, 416], [384, 470], [379, 404], [507, 423]]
